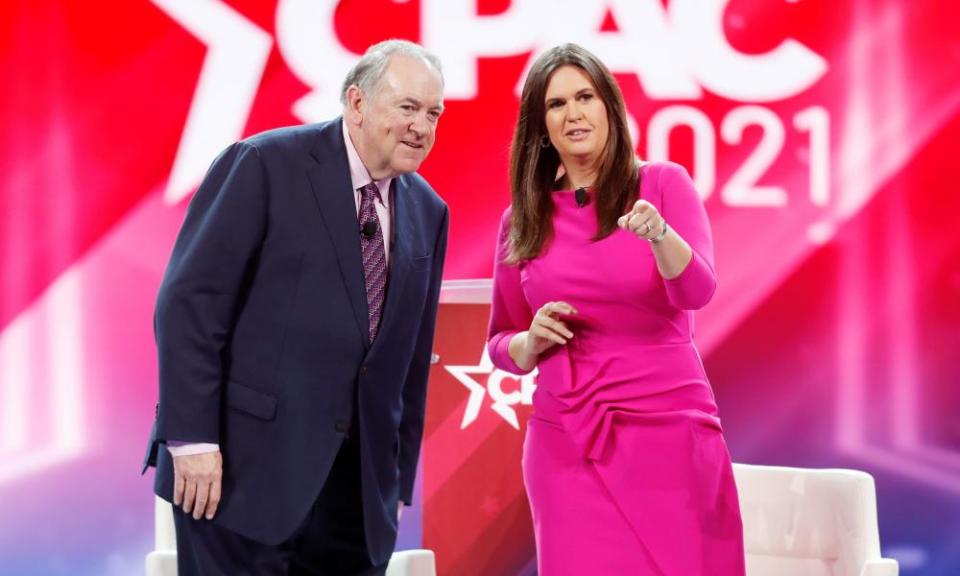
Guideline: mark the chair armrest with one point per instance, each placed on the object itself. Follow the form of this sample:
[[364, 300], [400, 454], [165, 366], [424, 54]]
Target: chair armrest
[[881, 567], [162, 563], [412, 563]]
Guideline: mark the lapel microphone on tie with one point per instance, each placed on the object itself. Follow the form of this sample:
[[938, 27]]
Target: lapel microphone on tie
[[369, 228], [580, 194]]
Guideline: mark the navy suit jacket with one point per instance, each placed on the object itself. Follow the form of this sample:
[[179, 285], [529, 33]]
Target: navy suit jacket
[[262, 334]]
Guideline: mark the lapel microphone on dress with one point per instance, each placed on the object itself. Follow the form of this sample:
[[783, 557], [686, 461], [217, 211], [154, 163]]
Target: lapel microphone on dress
[[369, 228], [580, 194]]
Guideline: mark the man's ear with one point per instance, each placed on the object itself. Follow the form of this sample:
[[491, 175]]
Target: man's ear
[[356, 105]]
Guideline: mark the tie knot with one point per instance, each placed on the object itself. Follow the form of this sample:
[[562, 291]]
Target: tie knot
[[371, 188]]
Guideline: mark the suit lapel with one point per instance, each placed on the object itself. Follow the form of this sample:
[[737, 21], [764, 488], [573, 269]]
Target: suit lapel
[[330, 180]]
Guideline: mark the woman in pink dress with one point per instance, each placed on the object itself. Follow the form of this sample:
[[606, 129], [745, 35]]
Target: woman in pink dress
[[599, 265]]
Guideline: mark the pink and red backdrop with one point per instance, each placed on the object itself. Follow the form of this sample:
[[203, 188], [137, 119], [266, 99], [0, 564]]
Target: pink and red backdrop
[[823, 137]]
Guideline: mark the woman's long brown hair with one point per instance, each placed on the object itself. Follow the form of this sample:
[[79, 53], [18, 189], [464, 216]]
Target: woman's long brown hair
[[533, 168]]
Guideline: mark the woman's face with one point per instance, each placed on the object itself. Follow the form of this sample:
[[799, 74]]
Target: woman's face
[[576, 117]]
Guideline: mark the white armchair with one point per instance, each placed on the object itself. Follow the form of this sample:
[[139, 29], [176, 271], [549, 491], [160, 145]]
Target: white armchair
[[163, 560], [805, 522]]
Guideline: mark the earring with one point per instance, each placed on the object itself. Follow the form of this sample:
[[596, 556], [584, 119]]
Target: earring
[[544, 141]]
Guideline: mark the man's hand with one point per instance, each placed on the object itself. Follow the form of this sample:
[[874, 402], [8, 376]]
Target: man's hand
[[196, 483], [399, 511]]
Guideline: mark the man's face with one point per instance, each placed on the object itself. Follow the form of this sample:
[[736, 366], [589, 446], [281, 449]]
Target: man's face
[[394, 128]]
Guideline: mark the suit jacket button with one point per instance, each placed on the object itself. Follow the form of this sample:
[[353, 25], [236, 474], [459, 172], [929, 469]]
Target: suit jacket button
[[342, 427], [363, 370]]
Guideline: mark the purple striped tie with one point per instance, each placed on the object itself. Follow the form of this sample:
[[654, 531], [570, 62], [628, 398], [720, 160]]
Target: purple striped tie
[[374, 256]]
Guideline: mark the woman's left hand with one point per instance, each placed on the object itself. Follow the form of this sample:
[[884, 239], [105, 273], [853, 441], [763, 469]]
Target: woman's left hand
[[643, 219]]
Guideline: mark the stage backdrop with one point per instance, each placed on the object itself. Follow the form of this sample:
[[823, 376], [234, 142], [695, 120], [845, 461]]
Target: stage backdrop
[[822, 135]]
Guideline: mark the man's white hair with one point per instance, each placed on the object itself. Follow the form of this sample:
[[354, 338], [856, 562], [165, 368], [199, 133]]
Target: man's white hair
[[368, 71]]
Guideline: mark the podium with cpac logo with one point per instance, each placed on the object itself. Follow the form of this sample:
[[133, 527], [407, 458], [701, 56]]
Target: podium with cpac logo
[[475, 513]]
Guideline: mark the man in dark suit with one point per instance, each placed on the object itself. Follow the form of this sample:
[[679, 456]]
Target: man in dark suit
[[294, 330]]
